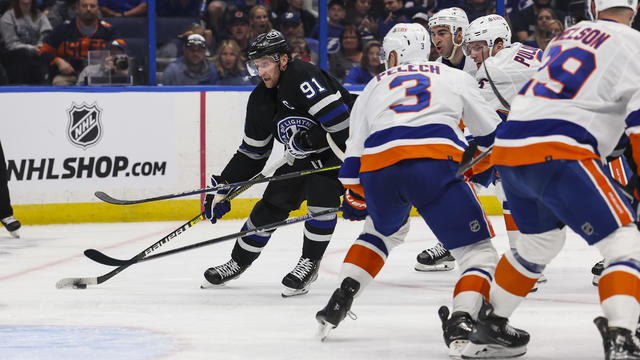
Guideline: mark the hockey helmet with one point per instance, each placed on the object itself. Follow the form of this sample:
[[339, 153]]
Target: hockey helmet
[[453, 18], [606, 4], [487, 28], [409, 41], [271, 44]]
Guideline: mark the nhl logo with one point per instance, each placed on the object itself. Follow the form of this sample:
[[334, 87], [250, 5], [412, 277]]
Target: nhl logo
[[84, 128], [474, 226]]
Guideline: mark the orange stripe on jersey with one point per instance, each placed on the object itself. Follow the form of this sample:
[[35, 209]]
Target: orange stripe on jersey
[[537, 153], [473, 283], [618, 283], [377, 161], [510, 223], [357, 188], [364, 258], [511, 280], [617, 171], [621, 211]]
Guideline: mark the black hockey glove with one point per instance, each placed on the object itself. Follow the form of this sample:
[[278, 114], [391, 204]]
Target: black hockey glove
[[354, 208], [297, 147], [214, 208]]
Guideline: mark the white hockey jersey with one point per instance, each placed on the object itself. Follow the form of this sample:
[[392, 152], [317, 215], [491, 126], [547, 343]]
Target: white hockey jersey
[[581, 100], [467, 65], [509, 69], [414, 111]]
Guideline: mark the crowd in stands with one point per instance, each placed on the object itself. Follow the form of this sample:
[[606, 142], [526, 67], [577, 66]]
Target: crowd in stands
[[51, 41]]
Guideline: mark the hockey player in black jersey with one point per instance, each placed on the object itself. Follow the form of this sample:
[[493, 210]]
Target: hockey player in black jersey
[[296, 104]]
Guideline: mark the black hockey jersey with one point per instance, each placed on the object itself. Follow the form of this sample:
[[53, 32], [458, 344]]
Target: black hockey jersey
[[306, 98]]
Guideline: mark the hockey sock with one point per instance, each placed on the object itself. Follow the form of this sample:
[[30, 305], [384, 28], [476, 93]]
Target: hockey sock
[[473, 286], [248, 248], [369, 253], [317, 233], [619, 290], [514, 279]]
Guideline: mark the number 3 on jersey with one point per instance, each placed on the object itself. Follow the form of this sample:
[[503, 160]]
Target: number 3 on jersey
[[419, 91], [568, 70]]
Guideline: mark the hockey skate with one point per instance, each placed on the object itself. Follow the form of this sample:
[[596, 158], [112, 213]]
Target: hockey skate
[[541, 280], [436, 258], [298, 281], [493, 337], [338, 307], [12, 225], [456, 330], [618, 343], [597, 270], [219, 275]]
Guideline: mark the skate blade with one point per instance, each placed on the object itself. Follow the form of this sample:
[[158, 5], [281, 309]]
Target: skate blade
[[491, 351], [323, 331], [596, 280], [15, 234], [456, 347], [207, 285], [542, 280], [445, 266], [289, 292]]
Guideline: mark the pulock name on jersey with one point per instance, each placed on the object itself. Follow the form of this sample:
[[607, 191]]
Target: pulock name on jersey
[[82, 167], [525, 54], [434, 69], [588, 36]]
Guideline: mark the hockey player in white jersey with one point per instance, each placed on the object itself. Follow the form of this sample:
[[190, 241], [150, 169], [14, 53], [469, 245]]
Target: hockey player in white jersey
[[566, 119], [447, 28], [403, 149]]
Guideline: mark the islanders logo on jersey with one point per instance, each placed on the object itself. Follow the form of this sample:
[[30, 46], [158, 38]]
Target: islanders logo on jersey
[[291, 125], [84, 128]]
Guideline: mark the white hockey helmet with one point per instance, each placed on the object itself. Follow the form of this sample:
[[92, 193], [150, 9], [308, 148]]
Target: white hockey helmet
[[453, 18], [409, 41], [606, 4], [487, 28]]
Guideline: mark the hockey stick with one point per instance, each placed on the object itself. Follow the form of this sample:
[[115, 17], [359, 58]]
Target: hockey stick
[[99, 257], [334, 147], [81, 283], [111, 200]]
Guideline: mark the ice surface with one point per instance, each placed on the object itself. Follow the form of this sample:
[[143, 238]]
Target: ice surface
[[156, 310]]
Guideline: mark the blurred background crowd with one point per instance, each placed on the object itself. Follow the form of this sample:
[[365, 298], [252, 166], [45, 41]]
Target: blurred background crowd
[[97, 42]]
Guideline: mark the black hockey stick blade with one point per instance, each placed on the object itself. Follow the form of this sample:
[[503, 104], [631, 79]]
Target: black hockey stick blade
[[103, 259], [464, 167]]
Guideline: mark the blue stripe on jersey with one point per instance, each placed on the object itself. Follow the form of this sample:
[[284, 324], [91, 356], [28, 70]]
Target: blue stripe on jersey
[[407, 132], [375, 241], [630, 263], [323, 224], [633, 119], [256, 237], [514, 129], [343, 108], [350, 168], [485, 140], [256, 150], [532, 267], [483, 272]]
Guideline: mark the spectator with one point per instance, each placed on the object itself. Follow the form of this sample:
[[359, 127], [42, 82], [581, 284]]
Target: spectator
[[217, 9], [4, 80], [192, 68], [238, 25], [524, 22], [23, 29], [300, 50], [478, 8], [173, 49], [349, 55], [308, 20], [115, 65], [546, 29], [65, 50], [259, 21], [335, 24], [123, 8], [61, 11], [358, 15], [178, 8], [292, 28], [369, 66], [229, 64], [393, 14]]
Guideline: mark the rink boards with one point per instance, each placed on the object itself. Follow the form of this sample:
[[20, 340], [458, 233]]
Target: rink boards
[[131, 143]]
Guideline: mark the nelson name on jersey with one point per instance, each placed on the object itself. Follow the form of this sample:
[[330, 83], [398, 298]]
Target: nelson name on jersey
[[590, 37]]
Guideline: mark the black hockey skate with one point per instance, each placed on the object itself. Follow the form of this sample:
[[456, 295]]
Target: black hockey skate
[[436, 258], [219, 275], [456, 330], [298, 281], [493, 337], [597, 270], [338, 307], [12, 225], [618, 343]]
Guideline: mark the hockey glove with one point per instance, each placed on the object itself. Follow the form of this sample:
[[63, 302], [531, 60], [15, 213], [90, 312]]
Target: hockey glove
[[354, 208], [296, 149], [214, 208]]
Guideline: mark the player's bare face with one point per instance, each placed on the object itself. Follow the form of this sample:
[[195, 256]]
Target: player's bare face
[[478, 50], [267, 70], [441, 38]]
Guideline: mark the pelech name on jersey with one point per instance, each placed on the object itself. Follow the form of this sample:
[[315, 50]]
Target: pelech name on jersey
[[590, 37], [526, 54], [423, 68]]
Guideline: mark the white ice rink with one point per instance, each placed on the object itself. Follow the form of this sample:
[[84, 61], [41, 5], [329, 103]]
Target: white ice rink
[[156, 310]]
